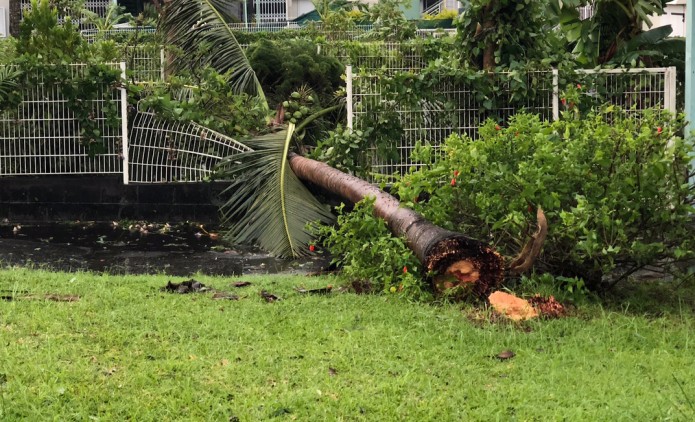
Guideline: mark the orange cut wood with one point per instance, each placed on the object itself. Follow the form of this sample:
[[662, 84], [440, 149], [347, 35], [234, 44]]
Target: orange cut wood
[[512, 307]]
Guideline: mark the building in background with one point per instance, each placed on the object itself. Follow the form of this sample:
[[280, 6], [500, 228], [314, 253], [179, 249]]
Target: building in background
[[4, 18]]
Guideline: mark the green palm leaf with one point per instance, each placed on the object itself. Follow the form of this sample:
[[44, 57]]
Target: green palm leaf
[[199, 28], [268, 204], [9, 85]]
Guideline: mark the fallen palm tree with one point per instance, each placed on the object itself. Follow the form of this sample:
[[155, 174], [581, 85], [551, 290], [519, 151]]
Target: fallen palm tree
[[454, 258]]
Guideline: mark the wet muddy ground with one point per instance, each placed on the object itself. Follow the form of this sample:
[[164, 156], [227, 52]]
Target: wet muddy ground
[[138, 248]]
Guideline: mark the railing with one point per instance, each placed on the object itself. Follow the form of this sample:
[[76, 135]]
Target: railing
[[434, 9], [454, 105]]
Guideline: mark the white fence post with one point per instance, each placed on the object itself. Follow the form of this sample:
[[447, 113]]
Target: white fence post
[[348, 89], [124, 127], [161, 63], [556, 95], [670, 89]]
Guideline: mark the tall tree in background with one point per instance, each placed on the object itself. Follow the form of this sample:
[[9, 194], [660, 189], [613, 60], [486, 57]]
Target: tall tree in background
[[614, 33], [495, 33]]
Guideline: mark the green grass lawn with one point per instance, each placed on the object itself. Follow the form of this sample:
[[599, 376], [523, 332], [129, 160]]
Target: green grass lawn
[[127, 351]]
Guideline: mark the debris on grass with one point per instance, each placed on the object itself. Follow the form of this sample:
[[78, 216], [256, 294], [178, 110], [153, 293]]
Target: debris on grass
[[241, 284], [224, 296], [50, 296], [512, 307], [505, 355], [190, 286], [548, 307], [320, 291], [269, 297]]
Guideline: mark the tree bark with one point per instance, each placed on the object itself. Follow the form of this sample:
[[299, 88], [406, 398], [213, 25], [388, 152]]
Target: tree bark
[[455, 259]]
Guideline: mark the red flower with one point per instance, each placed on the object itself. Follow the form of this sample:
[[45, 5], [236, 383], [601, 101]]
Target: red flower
[[312, 248], [405, 270], [579, 86], [497, 127], [564, 101], [456, 173], [453, 182], [659, 129]]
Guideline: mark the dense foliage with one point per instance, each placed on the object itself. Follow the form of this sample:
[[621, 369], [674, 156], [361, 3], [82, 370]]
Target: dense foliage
[[614, 189], [282, 67], [368, 254], [205, 98], [495, 33]]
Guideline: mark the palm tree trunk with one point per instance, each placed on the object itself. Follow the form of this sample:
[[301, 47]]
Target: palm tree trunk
[[456, 259]]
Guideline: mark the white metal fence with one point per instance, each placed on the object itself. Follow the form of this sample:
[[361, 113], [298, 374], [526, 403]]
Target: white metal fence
[[42, 136], [455, 105], [145, 62], [161, 151]]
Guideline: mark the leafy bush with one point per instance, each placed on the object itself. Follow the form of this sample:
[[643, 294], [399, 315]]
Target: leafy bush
[[345, 150], [368, 253], [211, 103], [614, 188], [282, 67]]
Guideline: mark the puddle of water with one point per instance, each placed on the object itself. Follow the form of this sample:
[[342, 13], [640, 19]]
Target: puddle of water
[[179, 250]]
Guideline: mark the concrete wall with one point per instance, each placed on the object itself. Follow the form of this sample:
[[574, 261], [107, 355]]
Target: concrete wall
[[105, 198]]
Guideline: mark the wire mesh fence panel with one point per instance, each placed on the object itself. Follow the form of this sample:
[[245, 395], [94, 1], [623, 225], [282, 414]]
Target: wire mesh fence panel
[[43, 136], [370, 56], [161, 151], [118, 34], [630, 89], [144, 62], [452, 106]]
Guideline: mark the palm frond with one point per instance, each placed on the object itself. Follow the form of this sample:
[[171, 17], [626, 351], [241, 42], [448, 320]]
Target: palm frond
[[8, 82], [268, 204], [199, 28]]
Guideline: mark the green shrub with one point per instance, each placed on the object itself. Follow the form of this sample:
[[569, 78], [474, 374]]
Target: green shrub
[[211, 103], [347, 150], [614, 188], [367, 252], [284, 66]]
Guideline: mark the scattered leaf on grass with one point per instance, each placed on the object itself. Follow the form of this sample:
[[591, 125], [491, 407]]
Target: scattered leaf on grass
[[190, 286], [241, 284], [280, 412], [224, 296], [505, 354], [269, 297], [52, 297], [224, 362], [320, 291], [62, 298], [332, 371]]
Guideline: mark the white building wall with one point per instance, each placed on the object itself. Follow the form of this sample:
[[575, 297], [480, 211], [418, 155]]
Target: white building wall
[[4, 18], [674, 15]]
